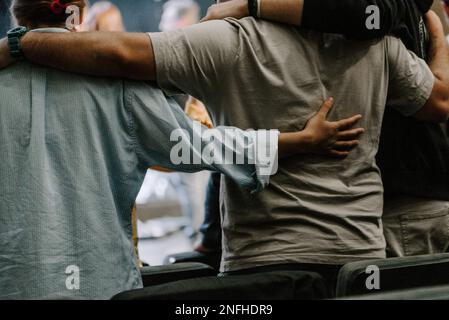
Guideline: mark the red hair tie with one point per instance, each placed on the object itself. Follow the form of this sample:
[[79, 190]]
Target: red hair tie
[[57, 7]]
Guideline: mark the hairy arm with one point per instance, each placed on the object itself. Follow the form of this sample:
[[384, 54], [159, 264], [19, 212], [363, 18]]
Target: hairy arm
[[127, 55]]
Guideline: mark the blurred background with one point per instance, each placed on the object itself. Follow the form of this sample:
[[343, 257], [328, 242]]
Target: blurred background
[[170, 206], [138, 15]]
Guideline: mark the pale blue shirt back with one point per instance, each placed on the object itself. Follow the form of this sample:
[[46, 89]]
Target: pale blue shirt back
[[74, 153]]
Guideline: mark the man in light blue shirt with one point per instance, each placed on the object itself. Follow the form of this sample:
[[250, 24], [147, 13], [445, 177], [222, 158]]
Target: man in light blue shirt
[[74, 154]]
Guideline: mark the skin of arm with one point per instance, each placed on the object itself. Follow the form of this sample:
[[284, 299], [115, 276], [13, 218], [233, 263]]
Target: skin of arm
[[319, 14], [104, 54], [335, 139], [284, 11], [196, 110], [437, 107]]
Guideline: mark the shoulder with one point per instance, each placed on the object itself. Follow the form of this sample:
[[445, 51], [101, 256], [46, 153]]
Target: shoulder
[[252, 26], [209, 32], [18, 67]]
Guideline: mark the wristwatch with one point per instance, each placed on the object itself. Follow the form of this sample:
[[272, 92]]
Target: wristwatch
[[254, 8], [14, 37]]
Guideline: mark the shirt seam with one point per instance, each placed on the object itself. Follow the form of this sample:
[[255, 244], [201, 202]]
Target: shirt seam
[[130, 123]]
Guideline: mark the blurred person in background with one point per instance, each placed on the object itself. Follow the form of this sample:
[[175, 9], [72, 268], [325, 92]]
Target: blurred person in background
[[178, 14], [103, 16]]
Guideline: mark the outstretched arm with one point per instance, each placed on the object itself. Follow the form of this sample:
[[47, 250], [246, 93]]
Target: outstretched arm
[[127, 55], [284, 11], [334, 16], [349, 17]]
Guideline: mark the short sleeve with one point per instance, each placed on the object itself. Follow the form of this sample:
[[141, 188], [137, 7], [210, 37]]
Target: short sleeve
[[411, 80], [194, 60]]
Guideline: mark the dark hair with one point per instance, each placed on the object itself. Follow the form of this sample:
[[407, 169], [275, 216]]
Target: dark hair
[[43, 12]]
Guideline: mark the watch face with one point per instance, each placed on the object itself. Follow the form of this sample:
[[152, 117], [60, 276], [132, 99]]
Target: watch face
[[17, 30]]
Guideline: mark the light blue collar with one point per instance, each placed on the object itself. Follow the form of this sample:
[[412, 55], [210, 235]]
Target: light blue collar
[[50, 30]]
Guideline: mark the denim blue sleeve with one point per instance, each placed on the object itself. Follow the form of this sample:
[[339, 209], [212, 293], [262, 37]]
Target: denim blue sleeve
[[165, 136]]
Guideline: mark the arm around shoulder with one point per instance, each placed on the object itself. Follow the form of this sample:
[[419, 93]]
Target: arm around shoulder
[[107, 54]]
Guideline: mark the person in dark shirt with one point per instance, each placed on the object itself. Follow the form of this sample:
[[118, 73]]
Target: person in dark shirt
[[413, 155]]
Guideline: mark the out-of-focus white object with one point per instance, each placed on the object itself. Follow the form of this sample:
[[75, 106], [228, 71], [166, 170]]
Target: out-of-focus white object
[[179, 14], [161, 227]]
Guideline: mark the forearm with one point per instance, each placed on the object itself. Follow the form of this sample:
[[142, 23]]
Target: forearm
[[291, 144], [439, 58], [284, 11], [349, 16], [125, 55], [343, 16]]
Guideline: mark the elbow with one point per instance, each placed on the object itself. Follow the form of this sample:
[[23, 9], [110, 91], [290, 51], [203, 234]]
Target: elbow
[[121, 59], [111, 58], [132, 59]]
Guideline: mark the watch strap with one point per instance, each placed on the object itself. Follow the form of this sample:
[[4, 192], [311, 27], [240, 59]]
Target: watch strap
[[14, 43], [253, 8]]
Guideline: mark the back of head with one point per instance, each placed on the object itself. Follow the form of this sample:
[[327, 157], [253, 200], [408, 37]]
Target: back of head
[[43, 13]]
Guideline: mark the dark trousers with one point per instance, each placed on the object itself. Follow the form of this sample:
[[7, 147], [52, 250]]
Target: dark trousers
[[327, 271], [211, 227]]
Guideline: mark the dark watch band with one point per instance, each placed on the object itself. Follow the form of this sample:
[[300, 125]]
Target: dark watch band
[[14, 37], [253, 8]]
